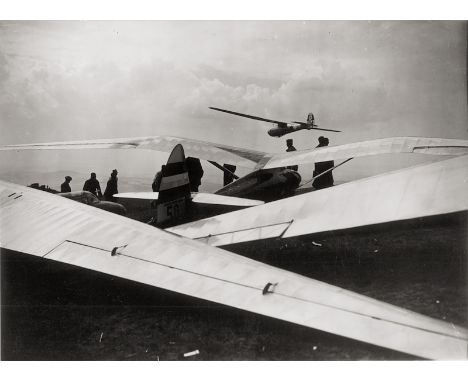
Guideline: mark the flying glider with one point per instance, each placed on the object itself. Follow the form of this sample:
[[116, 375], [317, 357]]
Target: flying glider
[[58, 229], [282, 128]]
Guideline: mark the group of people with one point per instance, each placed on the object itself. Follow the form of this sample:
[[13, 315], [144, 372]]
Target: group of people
[[322, 176], [92, 185]]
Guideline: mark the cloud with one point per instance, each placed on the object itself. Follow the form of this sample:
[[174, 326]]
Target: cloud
[[327, 88]]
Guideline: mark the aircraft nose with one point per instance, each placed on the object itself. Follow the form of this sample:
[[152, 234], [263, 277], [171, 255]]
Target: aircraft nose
[[293, 178], [122, 211], [275, 132]]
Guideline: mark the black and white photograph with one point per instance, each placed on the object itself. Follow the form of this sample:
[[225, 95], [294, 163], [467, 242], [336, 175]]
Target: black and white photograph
[[233, 190]]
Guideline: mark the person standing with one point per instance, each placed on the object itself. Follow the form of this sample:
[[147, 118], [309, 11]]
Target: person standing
[[92, 185], [111, 188], [65, 186], [157, 180], [290, 147], [326, 180], [195, 172]]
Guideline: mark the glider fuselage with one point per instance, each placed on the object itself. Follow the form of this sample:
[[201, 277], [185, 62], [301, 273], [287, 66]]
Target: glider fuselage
[[265, 184], [279, 130]]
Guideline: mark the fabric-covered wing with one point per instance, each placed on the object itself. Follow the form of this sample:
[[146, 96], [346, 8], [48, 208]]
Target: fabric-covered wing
[[56, 228], [426, 190], [249, 116], [192, 148], [257, 159], [197, 197], [396, 145]]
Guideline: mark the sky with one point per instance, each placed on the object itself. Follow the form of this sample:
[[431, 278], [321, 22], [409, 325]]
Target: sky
[[78, 80]]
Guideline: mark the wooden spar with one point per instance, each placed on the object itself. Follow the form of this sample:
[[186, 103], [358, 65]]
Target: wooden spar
[[222, 168]]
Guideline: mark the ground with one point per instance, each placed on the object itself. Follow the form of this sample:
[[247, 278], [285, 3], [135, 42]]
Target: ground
[[53, 311]]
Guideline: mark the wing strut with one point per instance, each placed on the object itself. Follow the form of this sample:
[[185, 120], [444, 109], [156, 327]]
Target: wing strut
[[323, 173], [222, 168]]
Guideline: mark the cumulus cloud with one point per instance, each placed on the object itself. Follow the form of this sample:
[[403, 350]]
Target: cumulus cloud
[[323, 89]]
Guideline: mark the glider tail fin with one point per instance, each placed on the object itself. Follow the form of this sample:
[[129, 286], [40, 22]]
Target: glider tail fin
[[310, 120], [174, 189]]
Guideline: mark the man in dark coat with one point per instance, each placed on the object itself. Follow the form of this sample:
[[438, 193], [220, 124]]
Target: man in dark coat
[[326, 180], [65, 186], [92, 185], [195, 172], [111, 188], [157, 180], [290, 147]]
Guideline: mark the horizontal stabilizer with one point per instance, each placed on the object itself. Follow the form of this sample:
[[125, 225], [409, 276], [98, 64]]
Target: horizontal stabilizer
[[319, 128], [197, 197], [314, 127], [138, 195], [201, 197]]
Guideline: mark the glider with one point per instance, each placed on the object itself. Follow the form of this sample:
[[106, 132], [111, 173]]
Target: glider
[[282, 128], [425, 190]]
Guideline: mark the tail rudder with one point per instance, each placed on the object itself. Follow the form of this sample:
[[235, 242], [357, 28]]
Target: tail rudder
[[174, 188]]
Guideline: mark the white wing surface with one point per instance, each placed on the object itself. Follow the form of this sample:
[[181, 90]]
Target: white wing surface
[[252, 158], [203, 197], [197, 197], [55, 228], [395, 145], [192, 148], [138, 195], [426, 190]]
